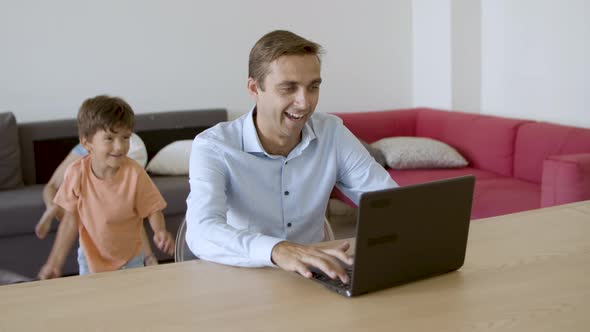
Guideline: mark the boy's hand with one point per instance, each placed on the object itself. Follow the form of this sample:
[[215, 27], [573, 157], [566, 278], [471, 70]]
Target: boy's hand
[[44, 223], [164, 242], [50, 271]]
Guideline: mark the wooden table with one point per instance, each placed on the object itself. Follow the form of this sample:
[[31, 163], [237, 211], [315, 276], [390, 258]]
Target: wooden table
[[524, 272]]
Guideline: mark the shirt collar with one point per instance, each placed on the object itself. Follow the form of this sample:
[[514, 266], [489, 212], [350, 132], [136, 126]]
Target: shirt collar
[[251, 142]]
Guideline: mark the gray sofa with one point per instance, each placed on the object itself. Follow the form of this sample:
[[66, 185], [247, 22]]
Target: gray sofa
[[30, 152]]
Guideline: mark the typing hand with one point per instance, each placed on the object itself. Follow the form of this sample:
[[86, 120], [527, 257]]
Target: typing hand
[[164, 242], [291, 256]]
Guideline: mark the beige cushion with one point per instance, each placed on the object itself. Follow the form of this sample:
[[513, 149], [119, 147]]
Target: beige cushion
[[137, 150], [173, 159], [418, 152]]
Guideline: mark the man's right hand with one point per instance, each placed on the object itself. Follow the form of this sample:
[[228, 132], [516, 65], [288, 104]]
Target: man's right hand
[[324, 256]]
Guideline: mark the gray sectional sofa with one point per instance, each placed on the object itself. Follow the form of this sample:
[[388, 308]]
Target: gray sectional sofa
[[30, 152]]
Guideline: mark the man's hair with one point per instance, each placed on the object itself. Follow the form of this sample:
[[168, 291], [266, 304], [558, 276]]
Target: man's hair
[[274, 45], [106, 113]]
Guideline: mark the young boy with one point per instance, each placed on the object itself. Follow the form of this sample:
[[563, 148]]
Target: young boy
[[105, 196], [53, 211]]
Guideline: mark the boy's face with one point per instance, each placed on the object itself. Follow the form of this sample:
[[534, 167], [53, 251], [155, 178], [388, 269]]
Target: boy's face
[[107, 148]]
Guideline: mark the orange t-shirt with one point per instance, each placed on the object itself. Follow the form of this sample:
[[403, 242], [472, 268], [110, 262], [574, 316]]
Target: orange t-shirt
[[111, 211]]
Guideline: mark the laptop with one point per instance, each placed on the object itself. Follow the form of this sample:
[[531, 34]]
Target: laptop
[[407, 233]]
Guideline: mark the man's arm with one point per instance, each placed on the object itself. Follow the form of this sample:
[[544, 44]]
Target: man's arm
[[66, 235], [210, 237], [358, 171]]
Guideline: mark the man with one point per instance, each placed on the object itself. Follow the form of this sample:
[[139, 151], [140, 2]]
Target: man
[[260, 184]]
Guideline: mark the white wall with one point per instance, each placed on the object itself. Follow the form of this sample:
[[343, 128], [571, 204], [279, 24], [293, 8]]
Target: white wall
[[164, 55], [431, 30], [466, 55], [536, 59]]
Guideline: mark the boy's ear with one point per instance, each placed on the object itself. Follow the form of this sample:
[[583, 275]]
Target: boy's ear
[[85, 143]]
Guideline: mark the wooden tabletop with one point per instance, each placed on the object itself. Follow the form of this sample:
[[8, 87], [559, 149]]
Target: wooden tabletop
[[523, 272]]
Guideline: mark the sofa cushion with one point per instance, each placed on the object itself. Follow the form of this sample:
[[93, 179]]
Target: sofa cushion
[[566, 179], [407, 177], [175, 190], [20, 210], [413, 176], [487, 142], [538, 141], [173, 159], [375, 153], [10, 170], [418, 152], [497, 196]]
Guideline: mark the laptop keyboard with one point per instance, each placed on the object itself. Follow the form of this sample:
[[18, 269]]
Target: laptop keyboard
[[317, 274]]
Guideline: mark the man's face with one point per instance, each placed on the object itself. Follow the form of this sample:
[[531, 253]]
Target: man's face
[[291, 93]]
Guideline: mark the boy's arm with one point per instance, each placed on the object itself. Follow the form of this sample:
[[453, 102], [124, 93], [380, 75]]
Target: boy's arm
[[57, 178], [163, 239], [66, 235]]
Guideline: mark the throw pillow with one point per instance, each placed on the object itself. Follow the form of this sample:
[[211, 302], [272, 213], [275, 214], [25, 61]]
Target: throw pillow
[[173, 159], [418, 152], [10, 171], [375, 153], [137, 150]]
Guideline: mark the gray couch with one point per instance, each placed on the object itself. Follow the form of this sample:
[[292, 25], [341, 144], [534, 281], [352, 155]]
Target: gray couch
[[30, 152]]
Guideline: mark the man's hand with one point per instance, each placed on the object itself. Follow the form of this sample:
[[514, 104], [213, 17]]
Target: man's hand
[[164, 241], [324, 256]]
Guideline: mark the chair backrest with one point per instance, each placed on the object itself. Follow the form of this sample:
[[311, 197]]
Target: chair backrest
[[181, 250]]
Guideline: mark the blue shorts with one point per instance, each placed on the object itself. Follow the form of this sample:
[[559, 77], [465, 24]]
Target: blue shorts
[[136, 261]]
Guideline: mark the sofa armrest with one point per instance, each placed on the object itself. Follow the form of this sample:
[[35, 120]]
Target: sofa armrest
[[566, 179]]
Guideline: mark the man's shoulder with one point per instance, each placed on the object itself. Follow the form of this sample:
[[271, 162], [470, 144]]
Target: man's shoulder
[[325, 123], [223, 134]]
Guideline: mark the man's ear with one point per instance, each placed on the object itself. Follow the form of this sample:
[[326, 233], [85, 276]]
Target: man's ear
[[252, 87]]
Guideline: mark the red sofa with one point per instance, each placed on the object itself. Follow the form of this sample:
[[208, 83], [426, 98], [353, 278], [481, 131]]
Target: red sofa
[[518, 164]]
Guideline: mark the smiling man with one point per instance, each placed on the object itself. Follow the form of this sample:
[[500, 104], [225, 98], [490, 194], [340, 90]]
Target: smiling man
[[260, 184]]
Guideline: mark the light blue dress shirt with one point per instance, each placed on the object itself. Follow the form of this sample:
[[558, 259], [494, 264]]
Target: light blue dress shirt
[[243, 201]]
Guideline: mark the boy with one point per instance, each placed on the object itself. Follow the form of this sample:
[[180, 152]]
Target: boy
[[53, 211], [105, 196]]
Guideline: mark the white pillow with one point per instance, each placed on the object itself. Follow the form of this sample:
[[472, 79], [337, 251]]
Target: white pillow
[[173, 159], [418, 152], [137, 150]]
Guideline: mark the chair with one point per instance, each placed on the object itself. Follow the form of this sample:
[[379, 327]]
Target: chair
[[183, 253]]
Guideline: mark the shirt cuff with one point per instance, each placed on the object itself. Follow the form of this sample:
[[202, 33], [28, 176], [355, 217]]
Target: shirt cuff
[[262, 249]]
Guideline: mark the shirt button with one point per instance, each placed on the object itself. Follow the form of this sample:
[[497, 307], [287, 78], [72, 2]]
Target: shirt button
[[286, 193], [286, 162], [288, 224]]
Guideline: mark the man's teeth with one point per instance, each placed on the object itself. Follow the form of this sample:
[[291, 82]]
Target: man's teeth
[[294, 116]]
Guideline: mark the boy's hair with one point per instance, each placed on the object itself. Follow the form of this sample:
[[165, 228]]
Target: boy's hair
[[106, 113], [274, 45]]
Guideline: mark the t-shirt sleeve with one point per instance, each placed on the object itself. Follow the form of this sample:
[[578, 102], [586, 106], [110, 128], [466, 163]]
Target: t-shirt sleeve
[[69, 192], [147, 198]]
